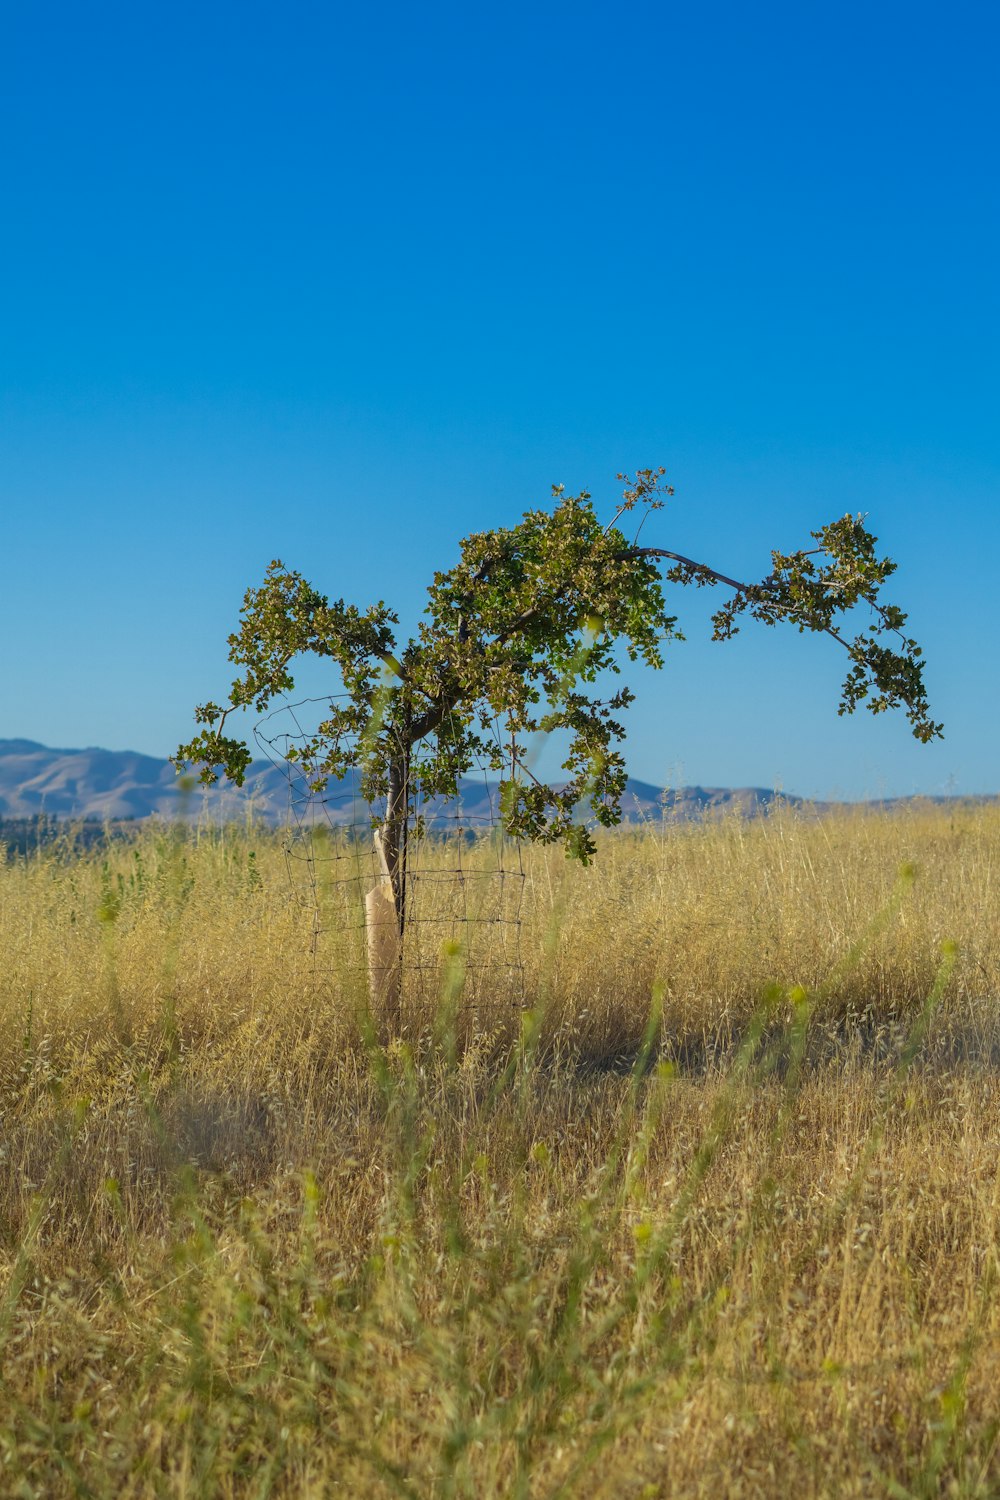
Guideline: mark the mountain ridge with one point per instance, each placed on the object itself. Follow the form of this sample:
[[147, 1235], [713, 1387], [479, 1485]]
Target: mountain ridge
[[95, 783]]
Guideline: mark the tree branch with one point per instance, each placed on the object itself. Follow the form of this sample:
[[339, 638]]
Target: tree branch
[[689, 562], [750, 589]]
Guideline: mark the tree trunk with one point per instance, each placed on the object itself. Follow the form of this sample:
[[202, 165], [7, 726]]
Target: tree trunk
[[394, 834], [385, 904]]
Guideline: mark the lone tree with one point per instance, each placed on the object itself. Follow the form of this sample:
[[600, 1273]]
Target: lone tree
[[519, 629]]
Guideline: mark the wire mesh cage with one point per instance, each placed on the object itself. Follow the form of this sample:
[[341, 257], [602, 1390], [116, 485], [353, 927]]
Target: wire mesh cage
[[463, 878]]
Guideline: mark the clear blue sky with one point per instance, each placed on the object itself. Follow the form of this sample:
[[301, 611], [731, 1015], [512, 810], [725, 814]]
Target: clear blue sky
[[340, 283]]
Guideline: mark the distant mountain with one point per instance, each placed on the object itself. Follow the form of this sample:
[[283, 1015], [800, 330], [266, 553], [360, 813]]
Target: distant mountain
[[96, 783], [113, 784], [116, 784]]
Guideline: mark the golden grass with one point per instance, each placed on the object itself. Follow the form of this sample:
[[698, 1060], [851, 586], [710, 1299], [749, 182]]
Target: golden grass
[[718, 1213]]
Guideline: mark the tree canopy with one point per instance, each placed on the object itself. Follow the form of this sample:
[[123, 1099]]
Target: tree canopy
[[519, 630]]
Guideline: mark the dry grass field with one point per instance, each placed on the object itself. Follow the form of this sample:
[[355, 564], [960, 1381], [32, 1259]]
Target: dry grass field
[[712, 1209]]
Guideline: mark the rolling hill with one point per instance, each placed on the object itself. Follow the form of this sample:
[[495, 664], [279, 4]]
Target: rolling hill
[[94, 783]]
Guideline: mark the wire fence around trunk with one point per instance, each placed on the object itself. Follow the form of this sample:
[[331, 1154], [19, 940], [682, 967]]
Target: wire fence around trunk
[[464, 879]]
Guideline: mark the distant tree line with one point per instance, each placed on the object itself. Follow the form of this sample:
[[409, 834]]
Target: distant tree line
[[24, 836]]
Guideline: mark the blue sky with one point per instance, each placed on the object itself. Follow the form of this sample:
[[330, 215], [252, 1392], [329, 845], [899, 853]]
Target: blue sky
[[340, 284]]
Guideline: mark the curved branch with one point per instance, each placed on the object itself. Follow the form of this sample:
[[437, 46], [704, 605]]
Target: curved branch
[[689, 562], [770, 584]]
